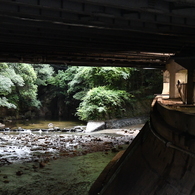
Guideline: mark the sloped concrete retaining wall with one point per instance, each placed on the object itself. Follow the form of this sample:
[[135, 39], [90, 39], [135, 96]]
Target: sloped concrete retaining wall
[[118, 123], [95, 126], [114, 124]]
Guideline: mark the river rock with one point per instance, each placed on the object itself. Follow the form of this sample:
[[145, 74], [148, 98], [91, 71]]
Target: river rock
[[56, 128], [2, 125], [65, 130], [78, 128], [95, 126], [44, 130], [19, 173], [50, 125]]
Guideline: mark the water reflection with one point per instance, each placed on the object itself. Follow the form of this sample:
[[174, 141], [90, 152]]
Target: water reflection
[[41, 124]]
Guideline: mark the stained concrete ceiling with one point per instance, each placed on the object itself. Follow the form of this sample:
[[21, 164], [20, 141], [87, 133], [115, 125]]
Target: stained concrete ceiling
[[136, 33]]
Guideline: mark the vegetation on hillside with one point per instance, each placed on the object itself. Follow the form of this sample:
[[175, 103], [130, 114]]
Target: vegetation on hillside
[[89, 92]]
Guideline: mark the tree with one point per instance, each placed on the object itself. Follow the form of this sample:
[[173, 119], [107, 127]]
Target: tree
[[145, 82], [8, 80], [44, 74], [72, 84], [65, 91], [17, 87], [103, 103], [75, 83], [25, 96], [86, 78]]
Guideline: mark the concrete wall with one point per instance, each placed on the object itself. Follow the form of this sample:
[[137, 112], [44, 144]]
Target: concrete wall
[[161, 159], [173, 73]]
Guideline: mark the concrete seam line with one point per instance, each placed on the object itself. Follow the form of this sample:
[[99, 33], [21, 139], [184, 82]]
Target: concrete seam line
[[169, 144]]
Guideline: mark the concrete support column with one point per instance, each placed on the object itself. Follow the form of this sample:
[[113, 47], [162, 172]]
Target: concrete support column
[[190, 86], [173, 68], [188, 64], [172, 87]]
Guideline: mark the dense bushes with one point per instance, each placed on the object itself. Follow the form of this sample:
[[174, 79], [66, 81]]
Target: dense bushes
[[103, 103]]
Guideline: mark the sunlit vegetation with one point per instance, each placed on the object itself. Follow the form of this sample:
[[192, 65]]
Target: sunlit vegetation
[[90, 93], [103, 103]]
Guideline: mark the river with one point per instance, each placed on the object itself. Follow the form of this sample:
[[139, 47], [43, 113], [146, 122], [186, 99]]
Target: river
[[30, 140], [41, 124], [62, 163]]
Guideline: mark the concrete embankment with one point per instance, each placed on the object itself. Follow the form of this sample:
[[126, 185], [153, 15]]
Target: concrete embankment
[[114, 124], [160, 160]]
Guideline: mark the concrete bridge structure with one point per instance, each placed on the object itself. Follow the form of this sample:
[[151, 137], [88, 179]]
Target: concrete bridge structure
[[142, 33], [136, 33]]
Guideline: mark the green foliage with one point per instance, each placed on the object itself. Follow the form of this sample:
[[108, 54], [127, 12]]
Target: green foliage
[[4, 103], [103, 103], [146, 82], [26, 71], [8, 79], [17, 85], [77, 83], [62, 78], [28, 92], [44, 74], [6, 85], [97, 92], [91, 77]]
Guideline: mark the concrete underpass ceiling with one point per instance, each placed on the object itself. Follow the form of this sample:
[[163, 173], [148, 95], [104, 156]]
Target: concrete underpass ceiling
[[142, 33]]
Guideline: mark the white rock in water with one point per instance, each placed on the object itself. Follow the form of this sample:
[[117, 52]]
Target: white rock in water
[[2, 125], [50, 125], [95, 126]]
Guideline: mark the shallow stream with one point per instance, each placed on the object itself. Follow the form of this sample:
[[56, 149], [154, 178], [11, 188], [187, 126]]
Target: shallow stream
[[30, 145], [41, 124], [57, 163]]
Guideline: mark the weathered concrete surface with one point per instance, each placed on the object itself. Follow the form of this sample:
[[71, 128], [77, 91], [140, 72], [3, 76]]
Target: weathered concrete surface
[[108, 171], [117, 123], [161, 160], [95, 126], [151, 168], [114, 124]]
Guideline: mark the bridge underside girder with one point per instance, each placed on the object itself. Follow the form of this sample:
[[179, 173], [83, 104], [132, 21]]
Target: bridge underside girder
[[96, 32]]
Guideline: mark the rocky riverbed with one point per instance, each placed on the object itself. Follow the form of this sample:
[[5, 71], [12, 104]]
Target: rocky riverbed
[[30, 146], [57, 163]]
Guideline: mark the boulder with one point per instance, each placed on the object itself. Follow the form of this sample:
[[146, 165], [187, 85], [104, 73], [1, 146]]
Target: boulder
[[2, 125]]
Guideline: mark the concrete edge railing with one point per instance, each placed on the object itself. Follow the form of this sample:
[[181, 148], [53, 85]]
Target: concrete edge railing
[[171, 126], [182, 121]]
